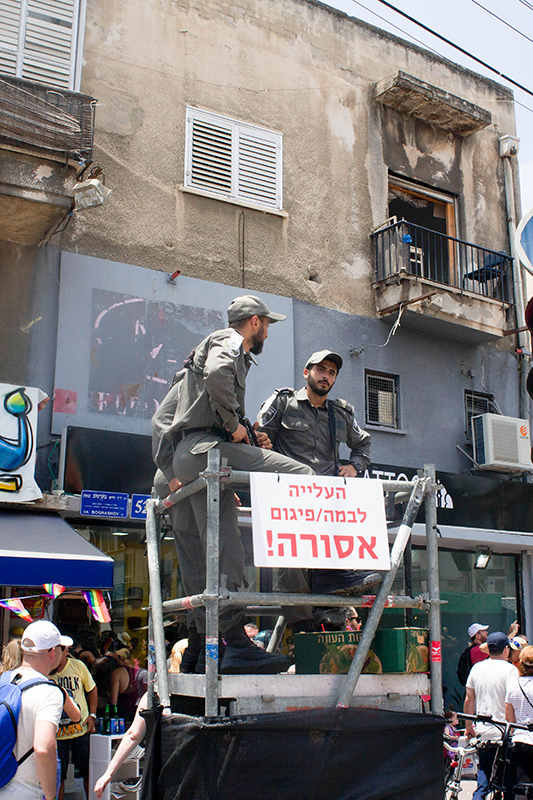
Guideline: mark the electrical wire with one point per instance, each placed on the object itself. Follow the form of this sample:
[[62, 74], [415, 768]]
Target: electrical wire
[[405, 33], [456, 46], [502, 20], [527, 5]]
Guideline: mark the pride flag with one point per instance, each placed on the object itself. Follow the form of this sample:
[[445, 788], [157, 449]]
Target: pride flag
[[15, 605], [96, 602], [53, 589]]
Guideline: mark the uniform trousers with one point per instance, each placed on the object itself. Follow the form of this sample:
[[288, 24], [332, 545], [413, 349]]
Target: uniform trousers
[[189, 518]]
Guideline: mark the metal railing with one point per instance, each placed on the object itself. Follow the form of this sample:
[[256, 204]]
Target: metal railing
[[410, 249]]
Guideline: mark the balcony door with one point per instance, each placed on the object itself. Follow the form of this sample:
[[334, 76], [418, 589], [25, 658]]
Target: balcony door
[[430, 218]]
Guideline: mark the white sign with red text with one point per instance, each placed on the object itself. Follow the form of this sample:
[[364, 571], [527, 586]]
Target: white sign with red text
[[318, 521]]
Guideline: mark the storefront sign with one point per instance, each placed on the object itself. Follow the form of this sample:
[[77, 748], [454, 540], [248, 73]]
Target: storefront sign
[[138, 506], [318, 521], [104, 504]]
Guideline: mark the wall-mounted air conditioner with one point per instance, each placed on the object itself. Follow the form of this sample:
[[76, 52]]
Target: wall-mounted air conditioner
[[501, 443]]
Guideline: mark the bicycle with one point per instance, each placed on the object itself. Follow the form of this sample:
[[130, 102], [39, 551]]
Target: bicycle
[[497, 787], [455, 769]]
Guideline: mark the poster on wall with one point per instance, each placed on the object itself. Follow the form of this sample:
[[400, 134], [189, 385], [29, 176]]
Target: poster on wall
[[18, 435]]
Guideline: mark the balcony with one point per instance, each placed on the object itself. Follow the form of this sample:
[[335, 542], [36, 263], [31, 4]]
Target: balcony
[[46, 137], [443, 285]]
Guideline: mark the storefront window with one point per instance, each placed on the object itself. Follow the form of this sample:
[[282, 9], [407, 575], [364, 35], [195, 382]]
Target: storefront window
[[488, 596]]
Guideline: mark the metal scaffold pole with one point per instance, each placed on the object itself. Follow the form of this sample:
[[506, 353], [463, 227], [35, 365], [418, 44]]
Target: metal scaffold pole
[[212, 476], [156, 603], [435, 657]]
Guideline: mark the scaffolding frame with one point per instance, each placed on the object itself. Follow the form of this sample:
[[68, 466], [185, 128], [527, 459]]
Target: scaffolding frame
[[422, 490]]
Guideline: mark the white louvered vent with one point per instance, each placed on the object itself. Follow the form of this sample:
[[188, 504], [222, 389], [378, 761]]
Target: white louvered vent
[[257, 169], [239, 161], [39, 40], [211, 156]]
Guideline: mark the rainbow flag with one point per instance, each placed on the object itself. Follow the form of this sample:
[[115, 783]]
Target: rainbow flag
[[15, 605], [96, 602], [53, 589]]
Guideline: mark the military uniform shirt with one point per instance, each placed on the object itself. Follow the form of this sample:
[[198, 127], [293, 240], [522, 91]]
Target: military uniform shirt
[[301, 431]]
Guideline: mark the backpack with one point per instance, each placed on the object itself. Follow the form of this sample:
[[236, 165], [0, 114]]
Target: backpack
[[464, 666], [11, 688]]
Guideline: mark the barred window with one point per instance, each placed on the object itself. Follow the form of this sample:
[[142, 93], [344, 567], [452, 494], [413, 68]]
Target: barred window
[[233, 160], [477, 403], [381, 399]]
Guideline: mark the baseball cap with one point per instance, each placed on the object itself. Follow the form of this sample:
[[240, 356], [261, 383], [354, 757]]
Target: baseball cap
[[43, 635], [321, 355], [497, 641], [476, 628], [247, 306], [517, 643]]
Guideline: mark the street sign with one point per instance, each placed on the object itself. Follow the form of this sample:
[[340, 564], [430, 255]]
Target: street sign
[[104, 504], [318, 521], [138, 506]]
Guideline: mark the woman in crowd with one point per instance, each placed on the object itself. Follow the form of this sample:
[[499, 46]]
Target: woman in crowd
[[519, 708]]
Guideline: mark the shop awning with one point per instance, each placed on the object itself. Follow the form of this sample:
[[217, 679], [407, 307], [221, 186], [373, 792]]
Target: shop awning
[[43, 548]]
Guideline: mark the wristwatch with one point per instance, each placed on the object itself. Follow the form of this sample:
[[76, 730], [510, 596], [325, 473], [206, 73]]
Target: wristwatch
[[92, 715]]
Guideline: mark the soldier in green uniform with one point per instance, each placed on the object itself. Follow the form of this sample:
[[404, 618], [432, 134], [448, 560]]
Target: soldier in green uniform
[[202, 410], [306, 425]]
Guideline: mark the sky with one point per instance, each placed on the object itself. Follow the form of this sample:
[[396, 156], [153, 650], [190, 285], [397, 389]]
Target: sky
[[474, 29]]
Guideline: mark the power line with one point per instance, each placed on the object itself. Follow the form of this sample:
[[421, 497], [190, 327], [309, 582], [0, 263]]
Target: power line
[[526, 4], [388, 22], [502, 20], [456, 46]]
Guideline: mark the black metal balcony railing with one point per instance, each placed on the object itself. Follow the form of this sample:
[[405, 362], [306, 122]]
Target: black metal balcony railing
[[41, 116], [411, 249]]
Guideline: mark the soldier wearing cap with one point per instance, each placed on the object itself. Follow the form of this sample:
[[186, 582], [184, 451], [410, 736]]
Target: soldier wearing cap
[[307, 425], [202, 410]]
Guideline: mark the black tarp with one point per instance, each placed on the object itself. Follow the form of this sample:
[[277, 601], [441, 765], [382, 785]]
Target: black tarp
[[320, 754]]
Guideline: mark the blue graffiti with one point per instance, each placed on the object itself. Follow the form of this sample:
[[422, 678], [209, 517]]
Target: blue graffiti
[[14, 453]]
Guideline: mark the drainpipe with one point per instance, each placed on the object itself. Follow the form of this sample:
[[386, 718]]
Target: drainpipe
[[508, 151]]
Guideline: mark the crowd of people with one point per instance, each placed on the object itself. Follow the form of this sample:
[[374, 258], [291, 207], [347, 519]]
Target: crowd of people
[[499, 683], [91, 673]]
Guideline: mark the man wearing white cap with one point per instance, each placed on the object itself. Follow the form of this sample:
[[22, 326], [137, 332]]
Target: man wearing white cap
[[41, 708], [472, 654]]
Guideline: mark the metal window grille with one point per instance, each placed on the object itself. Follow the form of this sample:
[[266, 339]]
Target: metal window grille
[[233, 159], [381, 400], [477, 403], [40, 40]]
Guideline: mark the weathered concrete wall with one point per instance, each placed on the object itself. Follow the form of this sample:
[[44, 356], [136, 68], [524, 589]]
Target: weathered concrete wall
[[295, 67]]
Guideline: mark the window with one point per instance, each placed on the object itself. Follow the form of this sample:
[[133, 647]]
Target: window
[[381, 399], [41, 40], [232, 160], [477, 403]]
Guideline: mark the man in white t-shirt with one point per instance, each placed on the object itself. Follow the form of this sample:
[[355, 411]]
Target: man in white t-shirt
[[40, 712], [485, 694]]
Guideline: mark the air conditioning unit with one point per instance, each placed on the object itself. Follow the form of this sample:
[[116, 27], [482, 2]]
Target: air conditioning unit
[[501, 443]]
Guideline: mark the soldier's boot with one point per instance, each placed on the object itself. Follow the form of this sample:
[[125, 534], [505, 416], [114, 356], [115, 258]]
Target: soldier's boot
[[243, 657]]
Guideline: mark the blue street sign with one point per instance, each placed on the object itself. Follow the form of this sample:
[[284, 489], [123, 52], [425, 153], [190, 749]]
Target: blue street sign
[[524, 240], [104, 504], [138, 506]]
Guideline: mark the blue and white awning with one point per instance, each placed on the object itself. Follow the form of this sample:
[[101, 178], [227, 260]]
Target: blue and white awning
[[42, 548]]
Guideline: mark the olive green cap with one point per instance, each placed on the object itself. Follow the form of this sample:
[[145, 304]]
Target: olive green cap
[[248, 306]]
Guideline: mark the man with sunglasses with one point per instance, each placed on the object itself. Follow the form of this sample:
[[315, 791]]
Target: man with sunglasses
[[73, 737]]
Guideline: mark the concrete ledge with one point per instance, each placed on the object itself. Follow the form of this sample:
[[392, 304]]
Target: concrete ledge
[[409, 95]]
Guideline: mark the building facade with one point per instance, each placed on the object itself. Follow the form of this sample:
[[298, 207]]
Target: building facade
[[362, 183]]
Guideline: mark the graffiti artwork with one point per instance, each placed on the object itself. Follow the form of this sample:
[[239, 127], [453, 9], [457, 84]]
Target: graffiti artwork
[[18, 424]]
